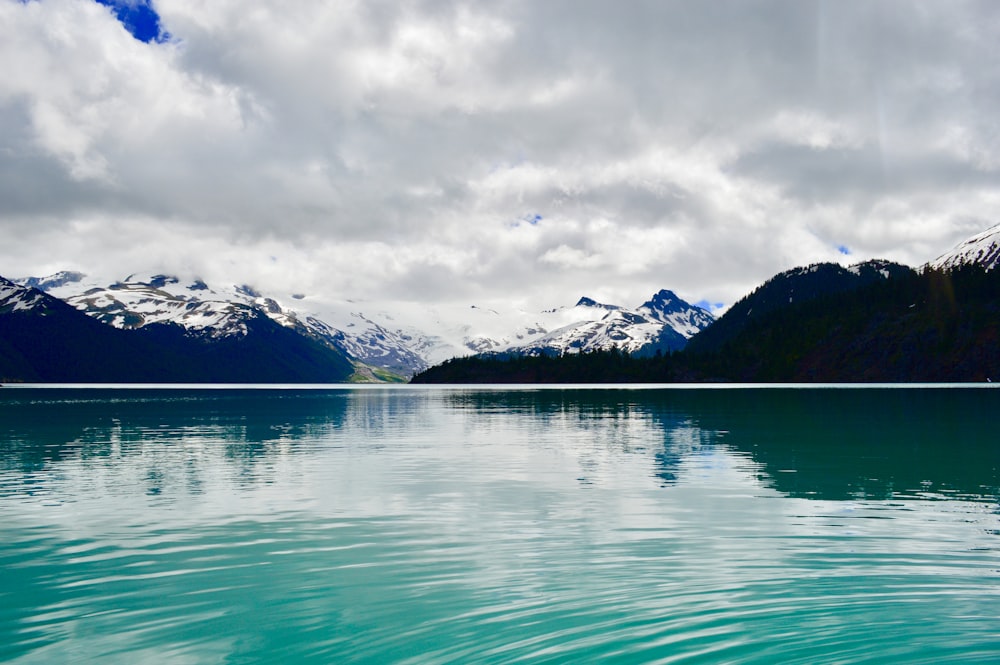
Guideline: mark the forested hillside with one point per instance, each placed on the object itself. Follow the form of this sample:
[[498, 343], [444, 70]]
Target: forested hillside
[[933, 325]]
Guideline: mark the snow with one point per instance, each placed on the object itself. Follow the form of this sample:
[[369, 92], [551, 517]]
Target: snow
[[143, 299], [616, 329], [18, 298], [982, 248], [403, 336]]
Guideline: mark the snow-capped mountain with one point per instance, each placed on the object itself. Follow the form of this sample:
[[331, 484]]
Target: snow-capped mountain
[[683, 317], [140, 300], [17, 298], [52, 281], [46, 339], [202, 310], [439, 333], [401, 337], [982, 248], [665, 321]]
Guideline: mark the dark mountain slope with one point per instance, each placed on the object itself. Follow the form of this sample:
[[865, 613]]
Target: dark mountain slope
[[792, 287], [43, 339], [598, 366], [929, 326]]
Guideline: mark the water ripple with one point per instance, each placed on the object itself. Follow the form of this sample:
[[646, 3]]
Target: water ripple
[[439, 528]]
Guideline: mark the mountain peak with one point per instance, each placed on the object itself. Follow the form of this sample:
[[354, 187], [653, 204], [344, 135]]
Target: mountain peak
[[205, 312], [61, 278], [981, 249], [685, 318], [15, 297], [589, 302], [664, 299]]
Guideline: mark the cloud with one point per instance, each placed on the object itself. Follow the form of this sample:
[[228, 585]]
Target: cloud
[[431, 149]]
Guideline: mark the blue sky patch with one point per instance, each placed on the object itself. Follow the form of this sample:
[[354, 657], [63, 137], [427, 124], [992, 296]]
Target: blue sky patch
[[532, 219], [139, 18]]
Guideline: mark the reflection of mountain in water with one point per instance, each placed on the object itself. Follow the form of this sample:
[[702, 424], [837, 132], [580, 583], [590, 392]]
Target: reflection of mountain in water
[[165, 433], [650, 422], [812, 443], [832, 443], [869, 443]]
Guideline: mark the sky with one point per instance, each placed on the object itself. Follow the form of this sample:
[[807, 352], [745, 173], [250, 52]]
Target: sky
[[523, 152]]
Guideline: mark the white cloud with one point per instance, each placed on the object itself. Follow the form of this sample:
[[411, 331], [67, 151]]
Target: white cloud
[[394, 149]]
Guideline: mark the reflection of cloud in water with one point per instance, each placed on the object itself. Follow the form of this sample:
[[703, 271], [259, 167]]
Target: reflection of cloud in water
[[598, 427], [162, 442], [644, 514], [356, 452], [397, 451]]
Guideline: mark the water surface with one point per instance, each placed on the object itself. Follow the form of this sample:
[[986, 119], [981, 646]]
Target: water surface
[[432, 525]]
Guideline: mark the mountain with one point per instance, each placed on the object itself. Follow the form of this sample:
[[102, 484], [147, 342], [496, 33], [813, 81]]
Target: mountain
[[375, 340], [795, 286], [872, 321], [438, 333], [395, 337], [981, 249], [17, 298], [602, 343], [43, 339], [138, 301], [875, 320], [665, 322], [934, 325], [52, 281], [681, 320], [686, 319], [204, 311]]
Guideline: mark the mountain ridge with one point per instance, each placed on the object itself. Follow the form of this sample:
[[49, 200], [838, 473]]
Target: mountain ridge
[[376, 340], [800, 284], [981, 249], [44, 339], [381, 339], [872, 321]]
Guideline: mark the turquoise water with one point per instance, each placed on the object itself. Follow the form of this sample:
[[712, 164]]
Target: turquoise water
[[436, 525]]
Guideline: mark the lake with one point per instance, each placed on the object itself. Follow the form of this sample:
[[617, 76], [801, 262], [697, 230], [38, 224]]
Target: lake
[[496, 525]]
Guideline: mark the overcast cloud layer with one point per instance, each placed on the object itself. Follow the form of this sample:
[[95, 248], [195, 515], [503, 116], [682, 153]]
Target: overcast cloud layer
[[482, 151]]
